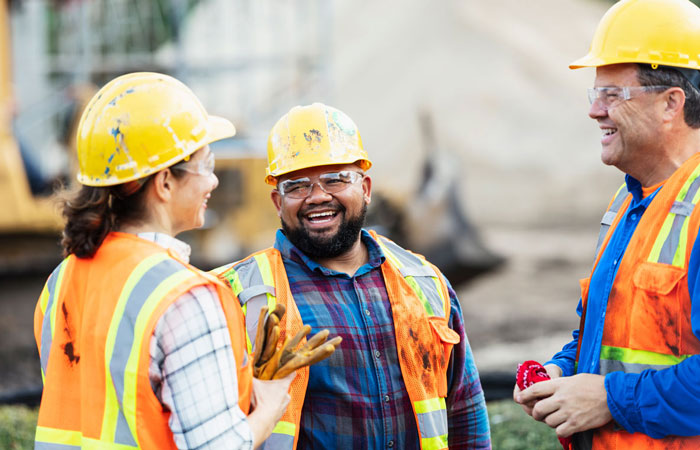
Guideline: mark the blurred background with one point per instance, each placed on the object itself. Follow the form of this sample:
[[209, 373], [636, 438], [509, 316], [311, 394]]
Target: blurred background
[[484, 157]]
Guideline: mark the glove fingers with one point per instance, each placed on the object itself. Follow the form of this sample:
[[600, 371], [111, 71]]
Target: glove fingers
[[316, 340], [279, 310], [259, 336], [270, 344], [273, 364], [299, 360], [306, 329]]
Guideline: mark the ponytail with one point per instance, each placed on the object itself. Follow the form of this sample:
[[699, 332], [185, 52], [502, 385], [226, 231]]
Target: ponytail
[[92, 212]]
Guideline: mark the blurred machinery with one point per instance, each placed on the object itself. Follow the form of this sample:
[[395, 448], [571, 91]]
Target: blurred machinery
[[82, 42]]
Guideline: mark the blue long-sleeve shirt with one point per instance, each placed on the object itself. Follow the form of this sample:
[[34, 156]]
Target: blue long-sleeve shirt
[[357, 398], [656, 403]]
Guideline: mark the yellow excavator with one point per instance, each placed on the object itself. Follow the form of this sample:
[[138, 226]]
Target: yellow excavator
[[240, 218]]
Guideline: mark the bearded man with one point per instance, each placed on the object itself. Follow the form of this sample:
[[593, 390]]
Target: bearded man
[[404, 376]]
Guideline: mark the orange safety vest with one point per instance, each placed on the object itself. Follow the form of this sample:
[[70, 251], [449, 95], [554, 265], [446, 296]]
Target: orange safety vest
[[420, 303], [93, 325], [647, 321]]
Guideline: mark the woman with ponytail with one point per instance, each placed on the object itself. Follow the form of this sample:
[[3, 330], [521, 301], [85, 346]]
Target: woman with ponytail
[[138, 348]]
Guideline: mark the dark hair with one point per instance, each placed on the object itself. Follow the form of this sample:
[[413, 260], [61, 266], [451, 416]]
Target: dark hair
[[668, 76]]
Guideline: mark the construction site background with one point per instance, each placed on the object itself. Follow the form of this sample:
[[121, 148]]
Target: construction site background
[[508, 124]]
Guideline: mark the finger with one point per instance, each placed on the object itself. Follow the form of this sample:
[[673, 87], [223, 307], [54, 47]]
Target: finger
[[306, 329], [316, 340], [270, 322], [272, 365], [536, 391], [544, 408], [555, 419], [259, 336], [279, 310], [270, 344], [303, 360]]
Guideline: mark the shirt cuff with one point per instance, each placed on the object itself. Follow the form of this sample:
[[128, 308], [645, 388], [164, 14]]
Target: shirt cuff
[[620, 389], [566, 369]]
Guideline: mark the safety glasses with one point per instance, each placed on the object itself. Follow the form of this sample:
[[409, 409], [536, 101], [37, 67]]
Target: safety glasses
[[330, 183], [608, 97]]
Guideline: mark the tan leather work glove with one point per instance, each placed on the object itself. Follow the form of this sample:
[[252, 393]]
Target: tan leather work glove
[[270, 363]]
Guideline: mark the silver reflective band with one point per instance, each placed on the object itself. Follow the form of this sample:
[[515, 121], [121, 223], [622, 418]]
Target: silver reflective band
[[330, 183]]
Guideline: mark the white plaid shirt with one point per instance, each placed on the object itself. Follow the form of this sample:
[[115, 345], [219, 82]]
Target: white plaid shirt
[[192, 370]]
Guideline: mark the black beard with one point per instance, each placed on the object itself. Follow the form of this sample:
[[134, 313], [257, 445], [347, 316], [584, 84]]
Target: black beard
[[331, 247]]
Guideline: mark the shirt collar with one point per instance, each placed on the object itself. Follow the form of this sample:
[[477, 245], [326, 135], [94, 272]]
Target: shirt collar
[[634, 187], [181, 249], [290, 252]]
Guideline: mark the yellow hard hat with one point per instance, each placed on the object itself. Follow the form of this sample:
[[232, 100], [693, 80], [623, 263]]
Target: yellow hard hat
[[140, 123], [657, 32], [310, 136]]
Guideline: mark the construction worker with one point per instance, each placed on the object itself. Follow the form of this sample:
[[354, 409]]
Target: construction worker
[[138, 348], [629, 378], [404, 376]]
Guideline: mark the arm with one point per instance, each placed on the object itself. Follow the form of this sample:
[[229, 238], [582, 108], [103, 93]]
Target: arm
[[468, 425], [193, 373]]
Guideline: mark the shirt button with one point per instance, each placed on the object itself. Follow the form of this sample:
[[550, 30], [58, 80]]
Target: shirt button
[[387, 398], [377, 354], [633, 216], [390, 444], [367, 312]]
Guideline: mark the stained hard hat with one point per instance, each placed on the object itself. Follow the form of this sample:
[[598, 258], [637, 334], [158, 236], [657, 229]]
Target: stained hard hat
[[310, 136], [140, 123], [657, 32]]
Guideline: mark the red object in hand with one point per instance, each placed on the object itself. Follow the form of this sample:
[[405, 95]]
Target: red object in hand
[[529, 373]]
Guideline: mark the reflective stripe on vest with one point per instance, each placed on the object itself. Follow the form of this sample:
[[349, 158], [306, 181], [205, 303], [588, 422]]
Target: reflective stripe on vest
[[610, 214], [420, 277], [614, 359], [47, 302], [671, 242], [254, 276], [147, 284]]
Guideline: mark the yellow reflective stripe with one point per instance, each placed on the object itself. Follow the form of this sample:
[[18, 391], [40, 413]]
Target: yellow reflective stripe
[[111, 410], [421, 295], [131, 369], [679, 257], [283, 427], [429, 405], [235, 282], [661, 238], [56, 436], [445, 302], [410, 280], [631, 356], [44, 298], [268, 279], [434, 443]]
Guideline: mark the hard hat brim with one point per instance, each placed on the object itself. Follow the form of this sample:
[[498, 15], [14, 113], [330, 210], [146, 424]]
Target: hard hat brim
[[219, 128]]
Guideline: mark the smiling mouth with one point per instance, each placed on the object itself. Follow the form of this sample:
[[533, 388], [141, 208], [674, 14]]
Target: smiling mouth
[[321, 217]]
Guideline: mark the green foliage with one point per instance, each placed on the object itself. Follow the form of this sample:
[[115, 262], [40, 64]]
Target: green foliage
[[17, 426], [512, 429]]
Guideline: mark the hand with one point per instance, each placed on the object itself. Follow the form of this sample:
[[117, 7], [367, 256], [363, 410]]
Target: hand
[[553, 371], [568, 404], [269, 401]]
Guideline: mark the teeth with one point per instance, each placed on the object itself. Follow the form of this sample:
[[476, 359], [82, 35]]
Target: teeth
[[323, 214], [609, 131]]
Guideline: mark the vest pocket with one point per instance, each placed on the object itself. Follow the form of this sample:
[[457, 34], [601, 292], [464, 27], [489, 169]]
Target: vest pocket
[[654, 321], [445, 338]]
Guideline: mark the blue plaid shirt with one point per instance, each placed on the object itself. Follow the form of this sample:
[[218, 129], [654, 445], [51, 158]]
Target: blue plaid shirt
[[357, 399]]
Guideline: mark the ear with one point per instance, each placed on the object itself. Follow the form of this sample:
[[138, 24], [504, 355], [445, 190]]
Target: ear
[[277, 201], [367, 189], [162, 185], [674, 102]]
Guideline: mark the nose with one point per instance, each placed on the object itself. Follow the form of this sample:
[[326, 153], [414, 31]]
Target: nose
[[597, 110], [216, 181], [317, 194]]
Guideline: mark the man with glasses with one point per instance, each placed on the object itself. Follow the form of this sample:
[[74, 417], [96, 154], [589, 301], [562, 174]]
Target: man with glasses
[[630, 378], [404, 376]]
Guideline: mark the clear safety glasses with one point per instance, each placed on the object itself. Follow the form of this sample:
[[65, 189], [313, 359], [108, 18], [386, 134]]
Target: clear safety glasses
[[609, 97], [330, 183], [204, 167]]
